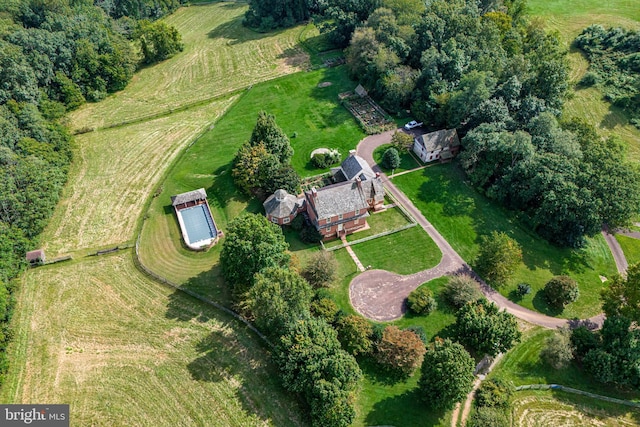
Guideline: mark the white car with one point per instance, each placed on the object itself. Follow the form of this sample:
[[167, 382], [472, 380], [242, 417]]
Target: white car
[[412, 124]]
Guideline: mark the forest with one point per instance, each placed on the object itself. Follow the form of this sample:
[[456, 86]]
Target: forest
[[481, 67], [55, 56]]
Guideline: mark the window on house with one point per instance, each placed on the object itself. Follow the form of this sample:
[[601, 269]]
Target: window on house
[[274, 219], [286, 220], [357, 211], [340, 217], [356, 222], [327, 229]]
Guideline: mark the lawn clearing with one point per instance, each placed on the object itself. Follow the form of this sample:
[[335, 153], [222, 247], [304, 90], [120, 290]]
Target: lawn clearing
[[547, 408], [220, 56], [380, 222], [124, 350], [407, 160], [462, 215], [382, 402], [630, 247], [435, 323], [392, 253], [113, 174], [522, 365], [569, 18]]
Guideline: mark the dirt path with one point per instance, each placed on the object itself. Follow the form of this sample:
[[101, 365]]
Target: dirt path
[[616, 251], [380, 295]]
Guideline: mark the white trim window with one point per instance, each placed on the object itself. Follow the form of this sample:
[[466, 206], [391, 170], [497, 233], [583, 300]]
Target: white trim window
[[286, 220]]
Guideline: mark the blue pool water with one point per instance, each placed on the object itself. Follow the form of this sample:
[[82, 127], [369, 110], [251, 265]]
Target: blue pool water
[[198, 223]]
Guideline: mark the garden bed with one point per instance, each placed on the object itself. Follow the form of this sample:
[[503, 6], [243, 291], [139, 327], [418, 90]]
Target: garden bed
[[369, 115]]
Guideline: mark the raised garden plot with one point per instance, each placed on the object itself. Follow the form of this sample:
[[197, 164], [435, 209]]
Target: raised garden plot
[[370, 115]]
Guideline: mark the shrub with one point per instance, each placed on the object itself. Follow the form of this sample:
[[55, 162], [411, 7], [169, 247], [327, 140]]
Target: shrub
[[589, 79], [524, 289], [560, 291], [462, 289], [495, 392], [419, 331], [421, 301], [400, 352], [324, 160], [402, 142], [488, 417], [321, 269], [558, 351], [297, 223]]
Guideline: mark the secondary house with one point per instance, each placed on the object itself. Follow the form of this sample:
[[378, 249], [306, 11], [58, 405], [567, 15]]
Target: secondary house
[[441, 145], [281, 207]]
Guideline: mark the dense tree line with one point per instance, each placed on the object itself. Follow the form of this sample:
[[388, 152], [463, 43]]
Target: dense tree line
[[614, 65], [139, 9], [266, 284], [54, 56]]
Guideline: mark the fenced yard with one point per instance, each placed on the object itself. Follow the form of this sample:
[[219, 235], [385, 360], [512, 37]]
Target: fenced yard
[[369, 115]]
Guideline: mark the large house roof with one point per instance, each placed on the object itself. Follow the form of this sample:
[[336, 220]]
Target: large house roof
[[281, 204], [353, 167], [439, 140], [190, 196], [336, 199]]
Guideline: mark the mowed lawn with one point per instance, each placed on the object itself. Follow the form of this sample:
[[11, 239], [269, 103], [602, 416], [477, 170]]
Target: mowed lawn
[[569, 18], [220, 56], [462, 215], [123, 350], [300, 106], [631, 248], [114, 173]]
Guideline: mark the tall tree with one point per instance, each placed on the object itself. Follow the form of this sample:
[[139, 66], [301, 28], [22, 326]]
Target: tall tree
[[400, 351], [277, 297], [158, 41], [447, 374], [251, 244], [273, 138], [499, 257], [622, 296], [482, 327]]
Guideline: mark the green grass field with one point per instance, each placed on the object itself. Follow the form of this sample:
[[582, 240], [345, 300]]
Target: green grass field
[[123, 350], [392, 253], [569, 18], [220, 57], [407, 160], [462, 215], [630, 247]]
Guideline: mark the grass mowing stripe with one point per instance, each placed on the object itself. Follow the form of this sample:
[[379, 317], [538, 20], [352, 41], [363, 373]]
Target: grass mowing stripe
[[99, 334]]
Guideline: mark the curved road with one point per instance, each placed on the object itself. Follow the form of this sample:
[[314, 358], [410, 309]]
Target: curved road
[[380, 295]]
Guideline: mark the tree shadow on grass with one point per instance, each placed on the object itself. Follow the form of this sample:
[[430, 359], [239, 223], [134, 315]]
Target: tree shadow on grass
[[225, 357], [209, 285], [237, 33], [376, 372], [405, 409], [540, 304]]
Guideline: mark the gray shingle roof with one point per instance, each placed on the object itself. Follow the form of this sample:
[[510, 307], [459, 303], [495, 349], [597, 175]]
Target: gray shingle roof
[[356, 167], [280, 204], [336, 199], [190, 196], [439, 139]]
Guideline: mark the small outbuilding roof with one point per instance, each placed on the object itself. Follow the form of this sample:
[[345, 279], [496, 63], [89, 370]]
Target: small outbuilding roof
[[439, 140], [281, 204], [36, 255], [190, 196], [353, 167]]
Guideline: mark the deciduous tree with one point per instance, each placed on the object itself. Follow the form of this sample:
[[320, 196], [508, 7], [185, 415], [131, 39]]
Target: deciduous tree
[[400, 352], [447, 374], [482, 327], [622, 296], [354, 332], [321, 269], [499, 257], [560, 291], [251, 244]]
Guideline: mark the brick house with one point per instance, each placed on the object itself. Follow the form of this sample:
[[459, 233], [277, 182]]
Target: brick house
[[281, 207]]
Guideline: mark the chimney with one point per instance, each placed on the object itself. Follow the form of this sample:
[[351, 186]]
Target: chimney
[[377, 174], [359, 182], [314, 193], [352, 152]]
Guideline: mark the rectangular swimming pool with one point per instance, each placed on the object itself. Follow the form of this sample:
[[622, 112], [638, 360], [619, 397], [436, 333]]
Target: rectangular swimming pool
[[198, 225]]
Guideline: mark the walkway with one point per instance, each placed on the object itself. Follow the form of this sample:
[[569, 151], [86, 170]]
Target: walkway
[[351, 253], [616, 251], [380, 295]]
